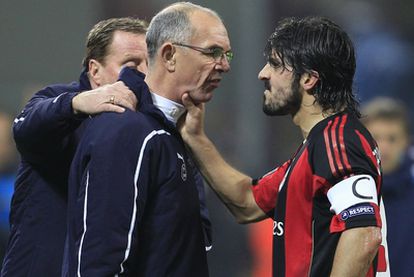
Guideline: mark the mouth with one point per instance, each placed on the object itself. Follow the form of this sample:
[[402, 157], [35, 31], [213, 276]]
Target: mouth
[[214, 82]]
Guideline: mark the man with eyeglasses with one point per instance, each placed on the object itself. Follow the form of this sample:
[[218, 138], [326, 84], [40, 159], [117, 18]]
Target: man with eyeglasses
[[216, 52], [133, 203]]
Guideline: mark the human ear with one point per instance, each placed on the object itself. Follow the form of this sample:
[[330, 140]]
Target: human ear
[[94, 70], [168, 55], [309, 79]]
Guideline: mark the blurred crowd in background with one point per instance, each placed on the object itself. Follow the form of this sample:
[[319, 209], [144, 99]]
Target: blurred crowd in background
[[43, 44]]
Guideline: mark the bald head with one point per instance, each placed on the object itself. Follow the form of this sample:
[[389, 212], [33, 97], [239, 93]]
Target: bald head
[[173, 24]]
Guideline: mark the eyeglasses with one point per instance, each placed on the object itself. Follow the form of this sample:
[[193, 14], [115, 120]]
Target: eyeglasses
[[215, 52]]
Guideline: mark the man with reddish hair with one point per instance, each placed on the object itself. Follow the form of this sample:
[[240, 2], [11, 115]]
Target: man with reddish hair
[[46, 133]]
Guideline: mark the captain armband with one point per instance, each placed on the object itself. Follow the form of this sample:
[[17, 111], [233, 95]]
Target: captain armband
[[352, 191]]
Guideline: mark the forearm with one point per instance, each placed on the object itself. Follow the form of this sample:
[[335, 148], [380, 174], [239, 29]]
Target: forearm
[[232, 186], [355, 251], [44, 122]]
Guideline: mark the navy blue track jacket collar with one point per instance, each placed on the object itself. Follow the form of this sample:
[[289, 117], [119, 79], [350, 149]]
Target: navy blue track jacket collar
[[133, 79], [84, 83]]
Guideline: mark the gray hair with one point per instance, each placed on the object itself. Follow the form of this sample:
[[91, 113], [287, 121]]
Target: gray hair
[[172, 24]]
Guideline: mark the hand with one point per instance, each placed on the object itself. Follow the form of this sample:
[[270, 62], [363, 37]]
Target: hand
[[107, 98], [191, 124]]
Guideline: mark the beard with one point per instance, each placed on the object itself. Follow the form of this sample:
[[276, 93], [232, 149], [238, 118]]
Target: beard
[[291, 105]]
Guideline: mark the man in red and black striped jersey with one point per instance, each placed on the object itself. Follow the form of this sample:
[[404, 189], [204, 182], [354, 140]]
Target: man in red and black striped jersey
[[326, 199]]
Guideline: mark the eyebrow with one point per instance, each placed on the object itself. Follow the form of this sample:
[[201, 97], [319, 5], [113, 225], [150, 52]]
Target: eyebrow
[[274, 61], [217, 46]]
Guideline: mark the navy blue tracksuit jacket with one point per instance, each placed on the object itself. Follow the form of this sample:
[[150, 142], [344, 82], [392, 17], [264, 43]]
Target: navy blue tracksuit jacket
[[133, 204], [46, 134]]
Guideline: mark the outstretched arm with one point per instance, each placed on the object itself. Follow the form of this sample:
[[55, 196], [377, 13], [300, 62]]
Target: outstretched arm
[[232, 186], [51, 115], [108, 98]]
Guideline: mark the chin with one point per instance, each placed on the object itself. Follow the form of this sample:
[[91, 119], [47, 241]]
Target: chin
[[272, 110], [202, 98]]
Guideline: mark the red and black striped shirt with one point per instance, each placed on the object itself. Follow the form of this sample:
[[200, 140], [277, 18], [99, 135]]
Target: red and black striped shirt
[[305, 231]]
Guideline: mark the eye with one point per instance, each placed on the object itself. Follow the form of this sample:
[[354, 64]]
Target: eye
[[216, 52], [275, 63]]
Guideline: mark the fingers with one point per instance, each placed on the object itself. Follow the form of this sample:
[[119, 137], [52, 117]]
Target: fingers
[[131, 102], [126, 102], [112, 108], [112, 99], [122, 96], [108, 98], [187, 101], [192, 108]]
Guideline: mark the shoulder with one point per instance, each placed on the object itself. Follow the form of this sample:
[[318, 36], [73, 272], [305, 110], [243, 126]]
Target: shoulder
[[129, 127], [341, 147], [128, 121], [56, 89], [339, 132]]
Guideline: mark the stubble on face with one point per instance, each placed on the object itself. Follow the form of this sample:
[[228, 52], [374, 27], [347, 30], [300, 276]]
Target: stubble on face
[[283, 101]]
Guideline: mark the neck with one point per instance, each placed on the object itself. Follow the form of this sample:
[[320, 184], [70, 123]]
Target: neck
[[161, 85], [172, 110], [309, 114], [165, 95]]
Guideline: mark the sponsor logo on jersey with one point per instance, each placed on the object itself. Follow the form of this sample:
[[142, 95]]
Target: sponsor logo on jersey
[[357, 211], [278, 229], [183, 168], [377, 155]]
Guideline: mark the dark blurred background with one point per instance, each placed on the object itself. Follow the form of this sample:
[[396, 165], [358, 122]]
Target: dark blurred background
[[43, 42]]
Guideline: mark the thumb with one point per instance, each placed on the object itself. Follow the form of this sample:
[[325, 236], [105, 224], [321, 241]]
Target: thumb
[[187, 102]]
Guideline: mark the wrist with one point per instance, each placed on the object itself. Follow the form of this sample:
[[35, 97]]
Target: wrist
[[74, 104], [76, 112]]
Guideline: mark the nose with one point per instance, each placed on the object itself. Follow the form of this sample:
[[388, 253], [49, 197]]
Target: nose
[[223, 65], [263, 74]]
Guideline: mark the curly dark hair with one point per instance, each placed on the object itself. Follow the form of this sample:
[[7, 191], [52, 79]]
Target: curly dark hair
[[316, 44]]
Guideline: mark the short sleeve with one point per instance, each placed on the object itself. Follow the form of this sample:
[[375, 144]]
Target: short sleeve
[[266, 189], [345, 151]]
